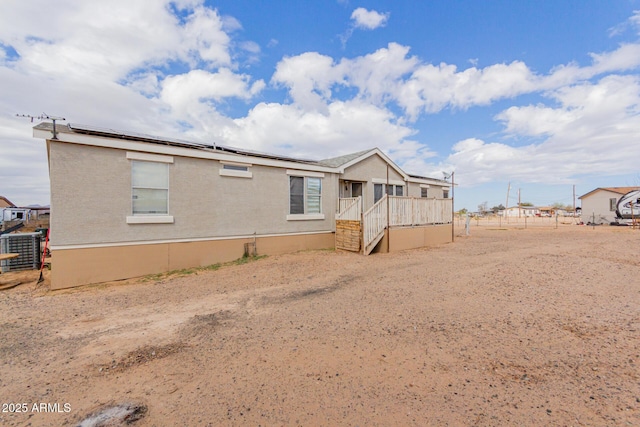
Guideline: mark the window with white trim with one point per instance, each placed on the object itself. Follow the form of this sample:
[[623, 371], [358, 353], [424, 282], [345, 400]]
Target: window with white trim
[[149, 188], [305, 195], [391, 189], [238, 170], [424, 192], [613, 202], [232, 167]]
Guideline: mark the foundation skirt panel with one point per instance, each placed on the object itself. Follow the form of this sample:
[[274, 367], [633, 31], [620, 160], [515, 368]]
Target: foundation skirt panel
[[76, 267], [286, 244], [402, 238], [82, 266]]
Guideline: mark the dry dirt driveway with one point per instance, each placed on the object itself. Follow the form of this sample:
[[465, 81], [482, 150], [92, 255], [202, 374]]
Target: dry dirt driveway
[[505, 327]]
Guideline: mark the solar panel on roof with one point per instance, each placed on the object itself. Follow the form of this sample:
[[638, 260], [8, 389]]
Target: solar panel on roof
[[175, 142], [135, 135]]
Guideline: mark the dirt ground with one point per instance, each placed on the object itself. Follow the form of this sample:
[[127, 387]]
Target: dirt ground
[[505, 327]]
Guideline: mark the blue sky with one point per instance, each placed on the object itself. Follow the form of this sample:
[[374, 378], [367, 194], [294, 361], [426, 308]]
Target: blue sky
[[540, 94]]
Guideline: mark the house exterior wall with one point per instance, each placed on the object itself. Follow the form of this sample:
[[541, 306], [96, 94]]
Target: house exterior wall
[[213, 216], [414, 190], [91, 189], [373, 167], [596, 205], [434, 190]]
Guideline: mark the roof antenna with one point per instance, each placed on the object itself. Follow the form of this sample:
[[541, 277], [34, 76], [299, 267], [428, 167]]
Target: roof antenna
[[44, 116]]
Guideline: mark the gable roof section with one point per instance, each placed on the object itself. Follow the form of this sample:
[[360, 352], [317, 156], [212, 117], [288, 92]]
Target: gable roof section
[[352, 159], [618, 190], [336, 162], [7, 202]]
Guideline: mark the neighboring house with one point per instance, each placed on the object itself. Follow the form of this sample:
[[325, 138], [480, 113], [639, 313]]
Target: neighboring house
[[517, 212], [6, 203], [15, 214], [599, 205], [9, 212], [39, 212], [126, 205], [547, 210]]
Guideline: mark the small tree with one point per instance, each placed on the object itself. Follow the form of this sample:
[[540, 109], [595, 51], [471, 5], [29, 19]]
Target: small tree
[[495, 209]]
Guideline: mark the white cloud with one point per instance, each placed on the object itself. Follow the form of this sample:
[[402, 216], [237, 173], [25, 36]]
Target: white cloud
[[182, 90], [632, 23], [345, 127], [369, 19], [309, 78], [626, 57], [635, 20], [391, 75], [433, 88], [379, 75], [591, 131]]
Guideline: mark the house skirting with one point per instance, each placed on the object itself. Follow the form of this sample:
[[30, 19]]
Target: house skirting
[[82, 265], [402, 238], [348, 235]]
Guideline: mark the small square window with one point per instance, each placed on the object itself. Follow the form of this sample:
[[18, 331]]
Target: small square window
[[235, 168]]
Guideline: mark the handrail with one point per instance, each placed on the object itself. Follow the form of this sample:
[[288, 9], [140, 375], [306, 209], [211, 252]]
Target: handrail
[[374, 221], [406, 211], [349, 209]]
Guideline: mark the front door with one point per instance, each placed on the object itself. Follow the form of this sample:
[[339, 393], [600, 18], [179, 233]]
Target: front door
[[356, 189]]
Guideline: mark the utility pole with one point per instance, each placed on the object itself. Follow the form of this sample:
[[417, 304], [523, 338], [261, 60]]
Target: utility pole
[[453, 186], [506, 204], [519, 205], [574, 201], [388, 228]]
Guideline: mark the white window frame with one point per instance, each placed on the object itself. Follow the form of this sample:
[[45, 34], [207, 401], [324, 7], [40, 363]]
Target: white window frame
[[235, 169], [305, 175], [386, 188], [150, 218], [613, 203], [424, 191]]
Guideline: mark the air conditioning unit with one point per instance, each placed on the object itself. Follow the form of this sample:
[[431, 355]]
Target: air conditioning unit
[[25, 244]]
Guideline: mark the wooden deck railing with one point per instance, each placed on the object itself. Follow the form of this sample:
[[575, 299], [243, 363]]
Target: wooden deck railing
[[374, 222], [403, 211], [349, 208], [418, 211]]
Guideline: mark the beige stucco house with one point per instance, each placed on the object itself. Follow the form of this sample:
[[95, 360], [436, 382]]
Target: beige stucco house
[[599, 205], [126, 205]]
